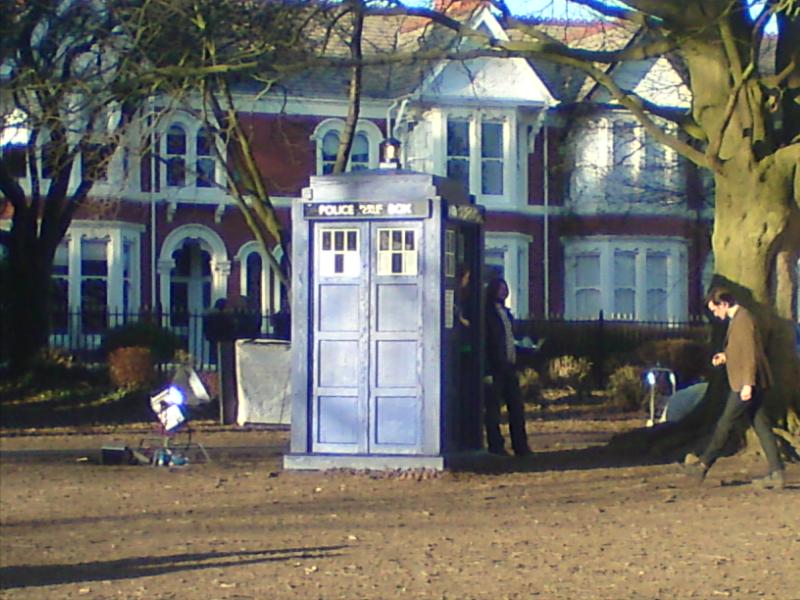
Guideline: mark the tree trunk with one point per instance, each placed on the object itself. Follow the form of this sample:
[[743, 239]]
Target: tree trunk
[[354, 94], [29, 301], [748, 228]]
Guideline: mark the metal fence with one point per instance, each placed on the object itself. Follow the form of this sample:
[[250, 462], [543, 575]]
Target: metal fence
[[603, 340], [83, 333]]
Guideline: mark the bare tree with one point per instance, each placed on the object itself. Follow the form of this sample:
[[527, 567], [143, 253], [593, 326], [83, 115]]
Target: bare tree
[[743, 127], [67, 86]]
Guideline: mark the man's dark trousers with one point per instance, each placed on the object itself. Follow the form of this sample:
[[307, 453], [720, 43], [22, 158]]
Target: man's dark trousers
[[753, 409], [505, 386]]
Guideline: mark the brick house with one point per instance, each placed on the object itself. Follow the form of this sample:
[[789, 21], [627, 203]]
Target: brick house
[[584, 212]]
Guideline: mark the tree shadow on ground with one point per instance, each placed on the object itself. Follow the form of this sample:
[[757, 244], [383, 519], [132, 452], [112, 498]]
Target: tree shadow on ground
[[580, 459], [23, 576]]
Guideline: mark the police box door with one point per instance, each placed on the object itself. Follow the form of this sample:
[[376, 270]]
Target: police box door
[[366, 338]]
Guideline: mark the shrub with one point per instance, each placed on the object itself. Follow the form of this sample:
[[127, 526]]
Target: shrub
[[530, 384], [625, 389], [684, 356], [570, 371], [131, 367], [161, 342]]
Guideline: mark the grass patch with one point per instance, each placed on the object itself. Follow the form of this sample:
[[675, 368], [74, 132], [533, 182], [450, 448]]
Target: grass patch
[[53, 395]]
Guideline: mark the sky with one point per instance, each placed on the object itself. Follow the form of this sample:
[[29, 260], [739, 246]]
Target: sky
[[560, 9], [552, 9]]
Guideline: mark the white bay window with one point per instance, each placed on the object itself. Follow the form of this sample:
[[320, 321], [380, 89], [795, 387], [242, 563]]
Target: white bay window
[[477, 150], [641, 279], [96, 278]]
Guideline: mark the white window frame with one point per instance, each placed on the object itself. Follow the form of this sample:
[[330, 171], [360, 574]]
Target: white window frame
[[372, 132], [118, 235], [409, 256], [270, 294], [350, 257], [675, 249], [476, 119], [211, 242], [190, 189], [600, 182], [515, 250]]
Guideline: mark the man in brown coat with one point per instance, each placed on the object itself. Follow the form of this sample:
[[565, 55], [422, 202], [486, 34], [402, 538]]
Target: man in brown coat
[[748, 376]]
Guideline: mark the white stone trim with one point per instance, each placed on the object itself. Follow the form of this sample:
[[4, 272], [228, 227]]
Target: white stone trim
[[267, 293], [209, 241]]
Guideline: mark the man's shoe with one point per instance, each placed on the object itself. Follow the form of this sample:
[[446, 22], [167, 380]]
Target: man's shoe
[[695, 472], [499, 451], [773, 481], [523, 452]]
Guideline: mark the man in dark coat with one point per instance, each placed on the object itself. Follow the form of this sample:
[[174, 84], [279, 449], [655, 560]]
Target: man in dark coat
[[501, 367], [748, 376]]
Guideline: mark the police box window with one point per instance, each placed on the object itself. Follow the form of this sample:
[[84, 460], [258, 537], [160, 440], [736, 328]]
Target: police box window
[[339, 252], [397, 252]]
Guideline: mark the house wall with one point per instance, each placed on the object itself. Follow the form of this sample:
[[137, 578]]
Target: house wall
[[561, 183]]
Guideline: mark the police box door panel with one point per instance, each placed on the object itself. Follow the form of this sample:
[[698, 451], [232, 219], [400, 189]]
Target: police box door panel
[[395, 333], [366, 321], [339, 304]]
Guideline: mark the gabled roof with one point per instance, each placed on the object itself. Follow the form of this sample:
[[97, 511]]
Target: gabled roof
[[569, 84], [536, 80]]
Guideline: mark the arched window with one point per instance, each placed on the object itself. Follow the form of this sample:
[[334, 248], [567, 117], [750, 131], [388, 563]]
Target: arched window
[[205, 161], [363, 153], [330, 146], [253, 281], [359, 154], [176, 156]]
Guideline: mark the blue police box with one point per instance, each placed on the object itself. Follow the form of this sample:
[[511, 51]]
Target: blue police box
[[385, 373]]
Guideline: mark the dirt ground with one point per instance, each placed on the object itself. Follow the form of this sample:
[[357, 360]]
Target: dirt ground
[[572, 522]]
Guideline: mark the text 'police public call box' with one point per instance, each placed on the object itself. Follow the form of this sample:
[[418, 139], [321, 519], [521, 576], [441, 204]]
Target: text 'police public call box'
[[380, 375]]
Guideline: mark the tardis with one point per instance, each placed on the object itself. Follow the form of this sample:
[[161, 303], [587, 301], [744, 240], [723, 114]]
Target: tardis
[[386, 329]]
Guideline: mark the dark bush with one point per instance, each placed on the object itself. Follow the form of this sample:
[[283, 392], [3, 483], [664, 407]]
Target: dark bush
[[162, 342], [625, 388], [688, 358]]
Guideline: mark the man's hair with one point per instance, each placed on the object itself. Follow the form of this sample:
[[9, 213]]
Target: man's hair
[[719, 295]]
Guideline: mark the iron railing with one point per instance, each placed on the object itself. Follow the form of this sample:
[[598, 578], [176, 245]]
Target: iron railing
[[82, 333]]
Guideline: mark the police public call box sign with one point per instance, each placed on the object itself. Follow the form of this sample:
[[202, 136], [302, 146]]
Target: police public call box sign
[[414, 209]]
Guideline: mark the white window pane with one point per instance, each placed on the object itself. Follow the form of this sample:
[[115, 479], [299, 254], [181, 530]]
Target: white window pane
[[176, 140], [492, 140], [657, 305], [330, 145], [657, 271], [360, 151], [203, 143], [587, 272], [587, 304], [205, 172], [624, 303], [397, 253], [458, 169], [126, 259], [492, 177], [457, 138], [61, 258], [339, 253], [624, 143], [93, 250], [654, 154], [624, 269], [176, 172]]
